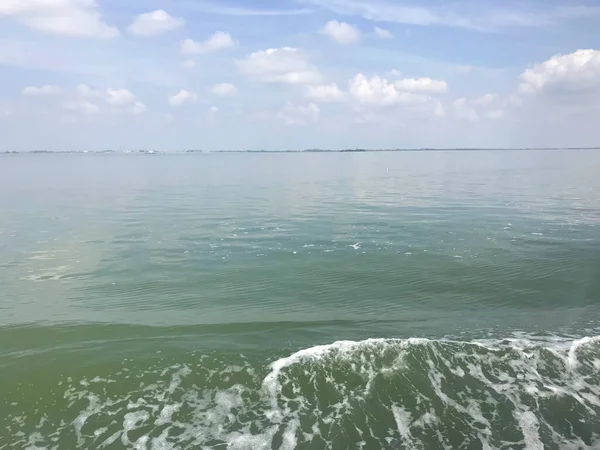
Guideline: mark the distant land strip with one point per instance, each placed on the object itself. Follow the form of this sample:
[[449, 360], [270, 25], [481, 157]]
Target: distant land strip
[[311, 150]]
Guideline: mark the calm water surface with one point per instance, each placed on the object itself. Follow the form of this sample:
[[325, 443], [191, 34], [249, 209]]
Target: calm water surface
[[313, 301]]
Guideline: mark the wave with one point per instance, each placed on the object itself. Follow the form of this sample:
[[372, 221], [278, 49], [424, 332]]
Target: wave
[[435, 388], [518, 393]]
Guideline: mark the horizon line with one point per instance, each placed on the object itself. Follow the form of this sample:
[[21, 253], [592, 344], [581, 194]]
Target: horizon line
[[310, 150]]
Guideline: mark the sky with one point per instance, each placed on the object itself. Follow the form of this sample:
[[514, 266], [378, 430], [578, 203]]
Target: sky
[[173, 75]]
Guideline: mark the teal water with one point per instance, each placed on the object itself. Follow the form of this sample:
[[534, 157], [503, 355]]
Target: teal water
[[276, 301]]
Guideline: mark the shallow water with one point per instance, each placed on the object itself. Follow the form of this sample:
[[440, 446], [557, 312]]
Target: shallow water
[[378, 300]]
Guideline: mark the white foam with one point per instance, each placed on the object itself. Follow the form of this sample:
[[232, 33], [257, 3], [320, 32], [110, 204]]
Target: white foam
[[161, 442], [530, 426], [289, 435], [403, 422], [174, 411], [131, 421], [79, 422], [166, 414], [250, 442], [572, 362], [427, 419], [177, 377]]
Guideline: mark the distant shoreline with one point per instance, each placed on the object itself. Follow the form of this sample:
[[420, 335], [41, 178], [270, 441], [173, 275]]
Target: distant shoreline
[[357, 150]]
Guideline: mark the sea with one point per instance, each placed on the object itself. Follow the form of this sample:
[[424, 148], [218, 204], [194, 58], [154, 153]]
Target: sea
[[371, 300]]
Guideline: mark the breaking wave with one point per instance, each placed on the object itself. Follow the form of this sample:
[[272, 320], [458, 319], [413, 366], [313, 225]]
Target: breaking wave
[[518, 393]]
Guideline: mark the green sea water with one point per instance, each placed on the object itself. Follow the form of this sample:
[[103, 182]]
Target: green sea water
[[417, 300]]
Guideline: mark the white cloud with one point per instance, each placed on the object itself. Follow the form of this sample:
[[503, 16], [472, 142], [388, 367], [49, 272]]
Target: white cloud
[[86, 91], [514, 100], [381, 11], [496, 114], [216, 8], [299, 115], [463, 110], [154, 23], [119, 100], [486, 99], [45, 90], [279, 65], [341, 32], [76, 18], [422, 85], [572, 72], [218, 41], [188, 64], [182, 97], [224, 89], [375, 90], [383, 33], [439, 110], [379, 91], [81, 106], [324, 92], [479, 16], [488, 106], [211, 116], [119, 97], [189, 46], [76, 100], [123, 100], [138, 108]]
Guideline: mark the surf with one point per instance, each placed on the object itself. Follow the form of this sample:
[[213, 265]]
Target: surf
[[522, 392]]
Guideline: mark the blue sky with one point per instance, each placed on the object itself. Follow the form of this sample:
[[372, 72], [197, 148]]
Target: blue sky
[[180, 74]]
